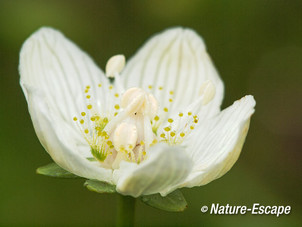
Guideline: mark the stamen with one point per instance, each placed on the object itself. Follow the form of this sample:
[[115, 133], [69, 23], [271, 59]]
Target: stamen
[[115, 65]]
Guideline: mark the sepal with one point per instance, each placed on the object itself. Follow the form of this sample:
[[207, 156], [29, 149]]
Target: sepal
[[173, 202]]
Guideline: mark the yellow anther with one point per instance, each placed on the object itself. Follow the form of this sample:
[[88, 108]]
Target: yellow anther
[[99, 133], [189, 113], [156, 118], [105, 120], [170, 100], [172, 134], [83, 114], [142, 142], [111, 147], [75, 119], [171, 92], [88, 96], [116, 95], [182, 134], [110, 87], [92, 118], [97, 118], [86, 131], [166, 109], [89, 107], [88, 87], [109, 143], [82, 121], [117, 107], [160, 88], [191, 127], [170, 120], [116, 113], [130, 147], [163, 135], [180, 114], [144, 153], [167, 129], [195, 116], [150, 86], [100, 85], [154, 141], [86, 90], [195, 121]]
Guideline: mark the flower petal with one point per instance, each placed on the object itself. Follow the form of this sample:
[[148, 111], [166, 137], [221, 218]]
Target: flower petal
[[165, 167], [216, 144], [177, 61], [57, 138], [55, 65]]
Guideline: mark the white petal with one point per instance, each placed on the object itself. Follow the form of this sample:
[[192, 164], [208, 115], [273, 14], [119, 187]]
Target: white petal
[[216, 144], [55, 65], [176, 60], [60, 71], [57, 138], [165, 167]]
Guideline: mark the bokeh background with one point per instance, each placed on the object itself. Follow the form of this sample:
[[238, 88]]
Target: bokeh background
[[257, 48]]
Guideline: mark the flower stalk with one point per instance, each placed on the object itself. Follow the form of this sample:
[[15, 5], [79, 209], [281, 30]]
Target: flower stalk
[[126, 210]]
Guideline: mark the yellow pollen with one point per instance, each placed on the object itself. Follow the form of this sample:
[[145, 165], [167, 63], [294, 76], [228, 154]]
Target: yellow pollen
[[172, 134], [167, 129], [88, 96], [75, 119], [111, 147], [144, 153], [195, 121], [88, 87], [89, 107], [156, 118], [142, 143], [170, 120], [100, 85], [116, 95], [160, 88], [170, 100], [150, 86], [82, 121], [105, 120], [109, 143], [189, 113], [83, 114], [92, 118], [163, 135], [117, 107], [86, 91], [182, 134], [86, 131], [171, 92], [130, 147], [191, 127], [110, 87], [154, 141], [116, 113], [166, 109], [195, 116], [180, 114]]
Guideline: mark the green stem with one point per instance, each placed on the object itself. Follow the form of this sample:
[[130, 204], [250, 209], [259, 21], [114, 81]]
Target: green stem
[[125, 215]]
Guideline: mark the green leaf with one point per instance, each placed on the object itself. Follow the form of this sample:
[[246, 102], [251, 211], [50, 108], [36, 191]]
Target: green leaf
[[174, 202], [53, 170], [99, 186]]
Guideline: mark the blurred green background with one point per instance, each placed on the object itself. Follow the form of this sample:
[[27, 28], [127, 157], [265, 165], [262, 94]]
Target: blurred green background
[[257, 48]]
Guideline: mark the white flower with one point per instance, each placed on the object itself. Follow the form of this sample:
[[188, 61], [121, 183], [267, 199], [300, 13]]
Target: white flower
[[157, 128]]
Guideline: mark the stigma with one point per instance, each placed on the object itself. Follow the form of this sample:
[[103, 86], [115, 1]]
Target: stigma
[[134, 122]]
